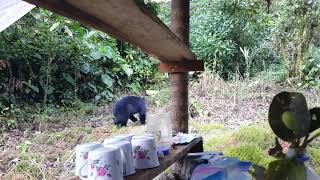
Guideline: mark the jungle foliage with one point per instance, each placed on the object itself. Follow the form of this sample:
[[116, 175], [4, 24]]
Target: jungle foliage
[[250, 36], [48, 59]]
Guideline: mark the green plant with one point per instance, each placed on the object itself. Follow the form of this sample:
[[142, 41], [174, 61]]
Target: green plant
[[296, 25], [221, 28], [292, 122], [315, 155], [311, 69], [23, 147], [51, 62], [30, 165]]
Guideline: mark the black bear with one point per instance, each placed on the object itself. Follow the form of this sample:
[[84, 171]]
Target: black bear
[[126, 107]]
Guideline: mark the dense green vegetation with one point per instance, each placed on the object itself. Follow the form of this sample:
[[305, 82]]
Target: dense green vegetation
[[50, 62]]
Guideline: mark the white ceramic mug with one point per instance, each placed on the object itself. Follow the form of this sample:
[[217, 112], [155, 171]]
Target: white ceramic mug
[[104, 164], [118, 139], [144, 152], [110, 141], [127, 137], [126, 156], [82, 151]]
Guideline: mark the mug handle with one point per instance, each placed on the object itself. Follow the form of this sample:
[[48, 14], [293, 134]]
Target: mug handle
[[80, 171]]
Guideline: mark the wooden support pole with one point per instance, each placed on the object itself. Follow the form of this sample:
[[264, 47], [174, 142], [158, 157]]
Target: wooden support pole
[[180, 15], [179, 80]]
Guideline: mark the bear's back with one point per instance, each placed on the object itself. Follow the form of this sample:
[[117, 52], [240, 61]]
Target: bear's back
[[129, 104]]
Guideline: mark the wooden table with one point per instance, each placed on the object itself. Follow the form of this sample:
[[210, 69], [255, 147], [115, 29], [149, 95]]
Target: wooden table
[[176, 154]]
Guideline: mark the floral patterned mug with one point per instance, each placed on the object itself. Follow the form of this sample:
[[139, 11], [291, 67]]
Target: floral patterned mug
[[144, 152], [126, 156], [82, 151], [104, 164]]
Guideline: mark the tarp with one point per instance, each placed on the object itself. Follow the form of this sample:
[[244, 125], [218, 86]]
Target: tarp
[[11, 11]]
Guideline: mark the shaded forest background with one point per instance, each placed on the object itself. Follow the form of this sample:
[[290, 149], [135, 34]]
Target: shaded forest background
[[49, 63]]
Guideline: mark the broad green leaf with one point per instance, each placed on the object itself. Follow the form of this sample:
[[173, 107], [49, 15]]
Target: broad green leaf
[[69, 79], [95, 55], [37, 55], [127, 69], [93, 87], [68, 31], [107, 80], [34, 88], [54, 26], [110, 52], [49, 89]]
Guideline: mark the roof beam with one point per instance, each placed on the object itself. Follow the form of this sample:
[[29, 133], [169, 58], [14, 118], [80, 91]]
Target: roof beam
[[127, 20]]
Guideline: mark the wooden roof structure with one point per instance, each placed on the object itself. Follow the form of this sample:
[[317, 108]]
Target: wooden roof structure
[[131, 21]]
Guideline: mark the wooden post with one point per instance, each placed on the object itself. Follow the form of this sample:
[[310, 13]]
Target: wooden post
[[179, 80]]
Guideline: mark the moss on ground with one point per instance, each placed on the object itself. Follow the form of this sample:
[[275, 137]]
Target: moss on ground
[[318, 170], [204, 128], [315, 158], [248, 144], [258, 136], [217, 143], [250, 153]]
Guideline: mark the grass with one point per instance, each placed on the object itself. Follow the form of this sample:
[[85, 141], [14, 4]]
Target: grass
[[248, 144], [217, 143], [315, 158], [251, 144], [31, 165], [261, 137], [70, 136], [204, 128], [258, 136], [250, 153]]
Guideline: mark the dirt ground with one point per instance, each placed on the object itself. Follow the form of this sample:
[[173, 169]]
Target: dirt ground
[[45, 150]]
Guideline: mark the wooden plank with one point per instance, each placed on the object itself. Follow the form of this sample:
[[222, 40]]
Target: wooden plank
[[181, 66], [175, 154], [128, 20]]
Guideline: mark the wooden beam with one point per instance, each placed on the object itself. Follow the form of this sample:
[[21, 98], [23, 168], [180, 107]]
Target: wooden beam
[[127, 20], [181, 66]]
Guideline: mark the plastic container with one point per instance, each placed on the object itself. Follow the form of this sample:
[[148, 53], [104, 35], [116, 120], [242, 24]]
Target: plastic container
[[160, 126], [163, 151]]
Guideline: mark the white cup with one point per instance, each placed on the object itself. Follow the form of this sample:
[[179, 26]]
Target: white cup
[[126, 156], [144, 152], [104, 164], [110, 141], [82, 151], [127, 137]]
